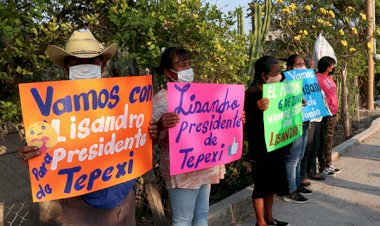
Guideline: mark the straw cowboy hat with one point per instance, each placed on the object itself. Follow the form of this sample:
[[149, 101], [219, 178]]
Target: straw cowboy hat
[[81, 44]]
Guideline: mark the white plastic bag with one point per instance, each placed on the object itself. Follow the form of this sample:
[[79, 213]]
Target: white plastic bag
[[322, 48]]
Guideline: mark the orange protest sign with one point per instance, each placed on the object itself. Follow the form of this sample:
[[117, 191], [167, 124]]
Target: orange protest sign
[[92, 133]]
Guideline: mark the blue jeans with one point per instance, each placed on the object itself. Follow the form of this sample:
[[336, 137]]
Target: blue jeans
[[190, 206], [293, 160]]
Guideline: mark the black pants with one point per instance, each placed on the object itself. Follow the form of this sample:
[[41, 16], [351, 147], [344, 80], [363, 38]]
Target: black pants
[[326, 141], [309, 161]]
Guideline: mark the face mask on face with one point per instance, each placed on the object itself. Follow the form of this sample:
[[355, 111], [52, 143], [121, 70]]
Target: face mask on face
[[185, 75], [84, 71], [332, 72], [299, 68], [274, 79]]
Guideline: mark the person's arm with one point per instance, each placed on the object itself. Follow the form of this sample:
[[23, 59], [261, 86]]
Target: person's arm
[[28, 152]]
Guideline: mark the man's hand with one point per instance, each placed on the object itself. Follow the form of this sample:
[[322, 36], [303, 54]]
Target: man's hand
[[28, 152]]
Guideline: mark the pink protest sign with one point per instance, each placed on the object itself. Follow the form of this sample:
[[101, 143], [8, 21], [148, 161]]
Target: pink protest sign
[[210, 131]]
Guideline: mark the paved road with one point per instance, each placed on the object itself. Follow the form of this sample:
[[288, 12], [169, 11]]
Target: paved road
[[350, 198]]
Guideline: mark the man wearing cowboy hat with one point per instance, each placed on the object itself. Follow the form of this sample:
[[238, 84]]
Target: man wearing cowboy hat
[[83, 58]]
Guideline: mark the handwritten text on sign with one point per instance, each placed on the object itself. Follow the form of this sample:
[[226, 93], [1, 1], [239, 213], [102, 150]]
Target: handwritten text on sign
[[210, 131], [283, 118], [315, 106], [92, 133]]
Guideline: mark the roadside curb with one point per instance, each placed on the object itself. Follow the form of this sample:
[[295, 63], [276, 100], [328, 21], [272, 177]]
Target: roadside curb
[[239, 205]]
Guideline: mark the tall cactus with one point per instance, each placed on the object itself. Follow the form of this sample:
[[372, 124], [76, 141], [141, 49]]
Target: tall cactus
[[260, 28], [240, 23]]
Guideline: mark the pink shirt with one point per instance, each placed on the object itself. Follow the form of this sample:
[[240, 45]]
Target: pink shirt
[[191, 180], [328, 86]]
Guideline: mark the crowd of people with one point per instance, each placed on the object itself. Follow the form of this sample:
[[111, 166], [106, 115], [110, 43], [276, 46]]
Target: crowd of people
[[286, 172]]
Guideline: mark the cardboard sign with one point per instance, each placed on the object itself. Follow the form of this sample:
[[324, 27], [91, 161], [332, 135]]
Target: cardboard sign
[[210, 131], [92, 133], [315, 105], [283, 118]]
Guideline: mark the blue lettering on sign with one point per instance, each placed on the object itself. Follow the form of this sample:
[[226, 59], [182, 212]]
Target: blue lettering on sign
[[42, 192], [196, 106], [144, 94], [188, 161], [209, 125], [77, 101], [87, 180], [41, 172]]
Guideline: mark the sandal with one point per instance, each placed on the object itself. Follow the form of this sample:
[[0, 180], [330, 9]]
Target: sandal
[[305, 183], [277, 222]]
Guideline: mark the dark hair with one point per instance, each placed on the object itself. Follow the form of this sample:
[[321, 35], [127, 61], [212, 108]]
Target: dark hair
[[291, 60], [324, 63], [307, 62], [263, 65], [168, 55]]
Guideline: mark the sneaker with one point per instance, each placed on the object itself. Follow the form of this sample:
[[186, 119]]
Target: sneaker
[[328, 172], [333, 169], [304, 191], [296, 198], [317, 176]]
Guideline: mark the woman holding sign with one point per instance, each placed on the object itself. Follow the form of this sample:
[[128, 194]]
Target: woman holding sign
[[189, 192], [268, 167]]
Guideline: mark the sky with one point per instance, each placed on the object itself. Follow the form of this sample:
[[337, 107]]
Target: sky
[[230, 5]]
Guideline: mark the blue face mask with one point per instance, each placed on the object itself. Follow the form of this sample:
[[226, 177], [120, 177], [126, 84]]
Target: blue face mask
[[185, 75]]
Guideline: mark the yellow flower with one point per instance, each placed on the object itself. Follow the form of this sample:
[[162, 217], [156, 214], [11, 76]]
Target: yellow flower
[[354, 31], [331, 14], [297, 37], [378, 32], [290, 23], [308, 8], [278, 1], [341, 32], [369, 45], [313, 26], [352, 49], [320, 21], [328, 24], [350, 9], [293, 6], [303, 32], [286, 10], [323, 10], [344, 43], [363, 16]]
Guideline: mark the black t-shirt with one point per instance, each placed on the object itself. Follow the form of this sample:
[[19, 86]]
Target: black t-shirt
[[255, 128]]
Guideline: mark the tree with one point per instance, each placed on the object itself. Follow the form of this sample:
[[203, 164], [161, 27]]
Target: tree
[[146, 27], [342, 23]]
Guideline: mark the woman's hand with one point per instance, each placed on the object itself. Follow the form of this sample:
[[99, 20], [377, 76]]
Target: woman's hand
[[168, 120], [262, 104], [303, 102], [153, 130], [28, 152]]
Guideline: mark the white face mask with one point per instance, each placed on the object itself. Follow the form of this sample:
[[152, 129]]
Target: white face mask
[[84, 71], [185, 75], [299, 68], [274, 79]]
